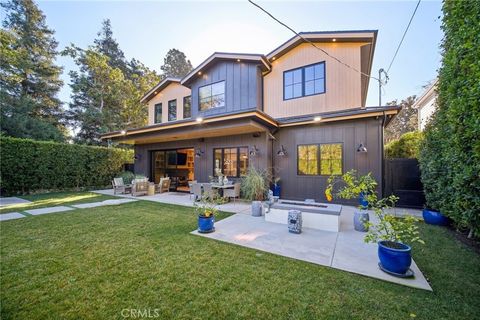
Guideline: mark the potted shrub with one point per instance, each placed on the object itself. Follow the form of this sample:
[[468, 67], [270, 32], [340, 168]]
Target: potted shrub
[[206, 209], [361, 188], [276, 187], [254, 188], [394, 236]]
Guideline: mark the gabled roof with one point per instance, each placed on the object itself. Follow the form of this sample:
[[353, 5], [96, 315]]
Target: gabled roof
[[159, 87], [226, 56], [324, 36], [427, 95]]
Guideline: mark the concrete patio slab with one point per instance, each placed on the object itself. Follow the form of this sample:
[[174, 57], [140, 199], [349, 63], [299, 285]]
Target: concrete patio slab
[[37, 212], [11, 216], [111, 202], [344, 250], [7, 201]]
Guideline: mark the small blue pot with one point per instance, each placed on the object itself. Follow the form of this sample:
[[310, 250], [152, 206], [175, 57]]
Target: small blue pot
[[276, 190], [395, 260], [362, 200], [435, 217], [206, 225]]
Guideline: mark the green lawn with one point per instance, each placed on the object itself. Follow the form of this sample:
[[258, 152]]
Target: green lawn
[[94, 263], [55, 199]]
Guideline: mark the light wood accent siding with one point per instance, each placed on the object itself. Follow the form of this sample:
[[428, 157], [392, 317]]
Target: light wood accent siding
[[171, 92], [343, 85]]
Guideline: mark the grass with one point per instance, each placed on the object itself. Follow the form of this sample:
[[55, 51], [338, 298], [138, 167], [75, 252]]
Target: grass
[[55, 199], [94, 263]]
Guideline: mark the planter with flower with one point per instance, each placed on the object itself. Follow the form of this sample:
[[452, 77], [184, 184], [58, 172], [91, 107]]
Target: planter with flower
[[353, 187], [277, 189], [206, 209]]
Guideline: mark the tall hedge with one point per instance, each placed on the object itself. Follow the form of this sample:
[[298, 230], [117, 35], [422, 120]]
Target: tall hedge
[[450, 154], [28, 166], [407, 146]]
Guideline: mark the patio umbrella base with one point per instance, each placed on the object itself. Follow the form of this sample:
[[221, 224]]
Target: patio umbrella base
[[408, 274]]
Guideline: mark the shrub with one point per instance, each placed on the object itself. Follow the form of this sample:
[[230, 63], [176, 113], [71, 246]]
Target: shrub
[[27, 166], [127, 177], [255, 185], [450, 153], [407, 146]]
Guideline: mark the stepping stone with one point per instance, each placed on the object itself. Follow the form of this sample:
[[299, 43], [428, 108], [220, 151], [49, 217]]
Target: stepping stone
[[102, 203], [37, 212], [11, 216], [12, 200]]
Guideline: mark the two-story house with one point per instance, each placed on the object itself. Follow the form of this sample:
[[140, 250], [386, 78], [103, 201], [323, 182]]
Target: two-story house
[[295, 111]]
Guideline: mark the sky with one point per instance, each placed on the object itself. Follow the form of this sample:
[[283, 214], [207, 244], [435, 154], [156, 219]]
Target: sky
[[147, 30]]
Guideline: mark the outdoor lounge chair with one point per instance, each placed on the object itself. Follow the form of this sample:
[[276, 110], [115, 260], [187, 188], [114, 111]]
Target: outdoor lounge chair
[[232, 193], [163, 185], [208, 191], [190, 183], [140, 187], [196, 191], [119, 186]]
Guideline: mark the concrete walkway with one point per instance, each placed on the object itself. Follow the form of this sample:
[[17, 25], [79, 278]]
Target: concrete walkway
[[344, 250], [8, 201], [11, 216]]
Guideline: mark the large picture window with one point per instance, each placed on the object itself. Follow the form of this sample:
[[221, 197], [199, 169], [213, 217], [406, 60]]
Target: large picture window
[[172, 110], [320, 159], [187, 107], [211, 96], [231, 162], [304, 81], [158, 113]]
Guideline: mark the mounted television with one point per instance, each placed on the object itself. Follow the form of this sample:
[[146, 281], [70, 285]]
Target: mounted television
[[181, 159]]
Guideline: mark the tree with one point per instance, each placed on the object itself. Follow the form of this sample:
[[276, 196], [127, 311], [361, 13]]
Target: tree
[[175, 64], [405, 121], [450, 154], [29, 79], [106, 90]]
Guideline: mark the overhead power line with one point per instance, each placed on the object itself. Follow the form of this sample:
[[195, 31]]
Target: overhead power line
[[404, 34], [310, 42]]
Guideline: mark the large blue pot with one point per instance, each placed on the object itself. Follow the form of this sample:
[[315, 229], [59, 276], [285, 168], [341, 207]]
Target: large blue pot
[[362, 200], [393, 259], [206, 225], [276, 190], [434, 217]]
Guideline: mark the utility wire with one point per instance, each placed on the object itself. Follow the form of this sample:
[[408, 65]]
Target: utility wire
[[404, 34], [310, 42]]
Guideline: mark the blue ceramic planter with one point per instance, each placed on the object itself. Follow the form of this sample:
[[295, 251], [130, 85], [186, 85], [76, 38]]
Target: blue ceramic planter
[[396, 261], [434, 217], [276, 190], [206, 225], [362, 200]]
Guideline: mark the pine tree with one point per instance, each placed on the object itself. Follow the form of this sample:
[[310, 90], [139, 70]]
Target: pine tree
[[176, 64], [106, 44], [29, 79]]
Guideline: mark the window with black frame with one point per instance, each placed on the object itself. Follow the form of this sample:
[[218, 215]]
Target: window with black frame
[[211, 96], [158, 113], [320, 159], [305, 81], [231, 162], [187, 107], [172, 110]]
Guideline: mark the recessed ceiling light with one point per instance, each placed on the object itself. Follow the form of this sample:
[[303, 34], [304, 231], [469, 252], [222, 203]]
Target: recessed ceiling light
[[199, 119], [274, 58], [334, 39], [199, 73], [317, 118], [238, 60], [123, 132]]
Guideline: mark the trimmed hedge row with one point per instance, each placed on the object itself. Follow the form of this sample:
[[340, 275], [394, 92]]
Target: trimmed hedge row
[[408, 146], [27, 165]]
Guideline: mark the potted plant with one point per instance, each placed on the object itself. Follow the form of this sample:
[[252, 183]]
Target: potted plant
[[206, 209], [361, 188], [394, 236], [254, 187], [276, 187], [434, 217]]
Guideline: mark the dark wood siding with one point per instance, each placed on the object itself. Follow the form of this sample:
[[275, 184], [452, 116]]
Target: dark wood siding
[[349, 133], [242, 87]]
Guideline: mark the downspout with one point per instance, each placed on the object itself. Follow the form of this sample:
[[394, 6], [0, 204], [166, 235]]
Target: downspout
[[383, 153]]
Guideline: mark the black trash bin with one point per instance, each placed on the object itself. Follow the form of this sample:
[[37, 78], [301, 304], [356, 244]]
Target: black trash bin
[[294, 221]]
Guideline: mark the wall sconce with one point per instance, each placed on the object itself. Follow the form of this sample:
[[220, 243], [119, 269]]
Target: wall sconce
[[253, 152], [361, 148], [282, 152], [138, 157], [198, 153]]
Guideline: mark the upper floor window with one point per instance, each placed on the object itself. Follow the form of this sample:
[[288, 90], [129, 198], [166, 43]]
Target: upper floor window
[[187, 107], [158, 113], [320, 159], [211, 96], [304, 81], [172, 110]]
